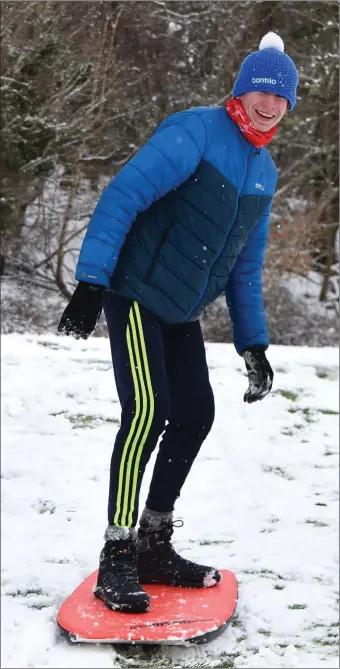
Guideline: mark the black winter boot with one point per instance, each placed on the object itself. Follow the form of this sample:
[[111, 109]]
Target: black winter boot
[[158, 561], [118, 584]]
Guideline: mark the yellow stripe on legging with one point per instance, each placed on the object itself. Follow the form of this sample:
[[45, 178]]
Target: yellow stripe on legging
[[151, 412], [134, 345], [138, 433], [132, 428]]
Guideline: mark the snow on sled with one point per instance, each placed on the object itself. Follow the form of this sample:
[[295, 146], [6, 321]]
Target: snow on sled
[[176, 616]]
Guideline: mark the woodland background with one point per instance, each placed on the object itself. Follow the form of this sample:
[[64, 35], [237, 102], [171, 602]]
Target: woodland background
[[84, 84]]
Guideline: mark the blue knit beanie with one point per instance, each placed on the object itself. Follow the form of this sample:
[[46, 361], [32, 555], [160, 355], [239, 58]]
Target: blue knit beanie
[[268, 70]]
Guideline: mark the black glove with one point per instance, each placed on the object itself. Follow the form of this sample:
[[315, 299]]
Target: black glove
[[83, 311], [260, 374]]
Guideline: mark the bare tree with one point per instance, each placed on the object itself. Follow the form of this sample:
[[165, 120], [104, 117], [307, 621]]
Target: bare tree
[[84, 84]]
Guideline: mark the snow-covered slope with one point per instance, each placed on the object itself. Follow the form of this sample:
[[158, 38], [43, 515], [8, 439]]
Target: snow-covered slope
[[261, 500]]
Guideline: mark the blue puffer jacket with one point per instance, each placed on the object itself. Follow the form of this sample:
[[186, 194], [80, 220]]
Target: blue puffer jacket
[[186, 219]]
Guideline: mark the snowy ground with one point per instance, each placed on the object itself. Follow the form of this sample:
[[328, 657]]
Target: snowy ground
[[261, 500]]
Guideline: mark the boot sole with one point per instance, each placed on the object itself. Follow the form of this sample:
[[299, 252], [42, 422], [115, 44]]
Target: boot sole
[[183, 584], [133, 607]]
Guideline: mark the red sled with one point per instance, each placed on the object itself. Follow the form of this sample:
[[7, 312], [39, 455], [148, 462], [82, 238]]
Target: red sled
[[177, 616]]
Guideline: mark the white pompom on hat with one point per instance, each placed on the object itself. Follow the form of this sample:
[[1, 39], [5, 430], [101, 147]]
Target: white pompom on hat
[[272, 41]]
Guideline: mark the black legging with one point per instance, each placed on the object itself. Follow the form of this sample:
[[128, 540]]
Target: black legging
[[161, 375]]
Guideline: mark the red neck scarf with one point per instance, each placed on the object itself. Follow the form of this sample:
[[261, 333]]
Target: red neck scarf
[[238, 114]]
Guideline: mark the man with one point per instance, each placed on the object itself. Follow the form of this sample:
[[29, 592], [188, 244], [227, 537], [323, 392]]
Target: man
[[186, 219]]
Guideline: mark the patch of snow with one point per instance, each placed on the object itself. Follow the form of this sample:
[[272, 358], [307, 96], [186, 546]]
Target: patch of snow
[[209, 580], [261, 500], [307, 290]]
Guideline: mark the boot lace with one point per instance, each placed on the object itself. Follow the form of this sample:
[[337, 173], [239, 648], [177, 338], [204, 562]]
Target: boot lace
[[164, 535], [124, 562], [128, 571]]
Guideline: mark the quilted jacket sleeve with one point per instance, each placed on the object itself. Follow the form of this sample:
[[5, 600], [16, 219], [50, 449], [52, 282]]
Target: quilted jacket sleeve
[[244, 289], [168, 159]]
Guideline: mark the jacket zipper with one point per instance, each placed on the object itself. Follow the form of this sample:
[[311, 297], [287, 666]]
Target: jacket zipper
[[257, 151]]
